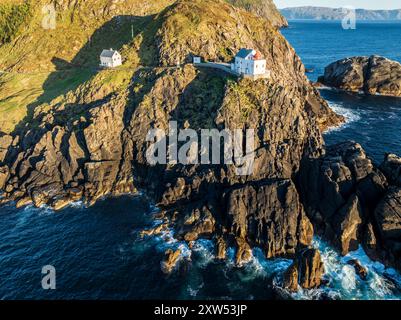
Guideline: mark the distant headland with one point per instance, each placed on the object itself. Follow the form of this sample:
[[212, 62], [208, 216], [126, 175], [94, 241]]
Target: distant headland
[[325, 13]]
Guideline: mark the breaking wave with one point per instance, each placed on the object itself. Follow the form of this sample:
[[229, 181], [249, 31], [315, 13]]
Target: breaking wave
[[344, 283], [350, 116]]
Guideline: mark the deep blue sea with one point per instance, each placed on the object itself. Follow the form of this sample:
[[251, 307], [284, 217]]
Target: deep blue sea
[[98, 253], [375, 122]]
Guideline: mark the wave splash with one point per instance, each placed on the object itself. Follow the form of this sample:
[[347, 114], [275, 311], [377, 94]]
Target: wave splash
[[344, 283], [350, 116], [342, 280]]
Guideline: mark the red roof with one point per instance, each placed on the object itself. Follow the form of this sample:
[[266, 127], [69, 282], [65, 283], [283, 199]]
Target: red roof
[[257, 56]]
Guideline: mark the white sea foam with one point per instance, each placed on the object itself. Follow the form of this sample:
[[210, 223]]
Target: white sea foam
[[43, 210], [166, 240], [344, 283], [205, 250], [349, 115], [194, 292], [77, 204]]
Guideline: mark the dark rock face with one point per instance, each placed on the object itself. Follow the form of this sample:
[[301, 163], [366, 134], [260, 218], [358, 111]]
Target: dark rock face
[[337, 189], [352, 203], [269, 216], [391, 167], [306, 271], [388, 219], [372, 75]]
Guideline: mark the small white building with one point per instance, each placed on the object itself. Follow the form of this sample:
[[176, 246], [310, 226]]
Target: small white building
[[249, 62], [110, 58], [197, 60]]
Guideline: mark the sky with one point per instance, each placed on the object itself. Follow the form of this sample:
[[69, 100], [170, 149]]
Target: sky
[[365, 4]]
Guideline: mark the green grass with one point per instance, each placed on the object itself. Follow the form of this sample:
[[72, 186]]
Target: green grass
[[21, 92], [12, 19]]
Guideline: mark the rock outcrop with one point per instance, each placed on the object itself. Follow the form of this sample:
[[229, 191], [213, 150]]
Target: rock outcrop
[[268, 215], [306, 271], [171, 260], [391, 167], [352, 203], [360, 270], [371, 75], [388, 220], [263, 8]]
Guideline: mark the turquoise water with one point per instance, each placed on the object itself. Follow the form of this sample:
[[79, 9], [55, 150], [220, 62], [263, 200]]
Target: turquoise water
[[98, 252]]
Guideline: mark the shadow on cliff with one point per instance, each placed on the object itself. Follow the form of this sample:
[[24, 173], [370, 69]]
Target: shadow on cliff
[[68, 76], [201, 99]]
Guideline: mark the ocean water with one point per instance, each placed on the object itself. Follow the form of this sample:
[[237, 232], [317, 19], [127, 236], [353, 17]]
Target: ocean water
[[375, 122], [98, 252]]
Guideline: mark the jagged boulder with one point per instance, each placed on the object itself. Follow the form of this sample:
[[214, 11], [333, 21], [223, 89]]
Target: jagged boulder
[[221, 248], [243, 253], [306, 271], [360, 270], [347, 224], [172, 258]]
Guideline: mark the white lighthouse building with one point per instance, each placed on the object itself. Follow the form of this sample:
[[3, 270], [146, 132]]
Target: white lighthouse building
[[249, 62]]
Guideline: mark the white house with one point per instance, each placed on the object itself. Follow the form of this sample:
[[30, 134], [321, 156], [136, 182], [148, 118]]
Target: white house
[[249, 62], [110, 58]]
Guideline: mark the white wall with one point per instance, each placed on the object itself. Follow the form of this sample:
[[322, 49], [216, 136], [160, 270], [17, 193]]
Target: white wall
[[259, 67], [255, 67], [111, 62]]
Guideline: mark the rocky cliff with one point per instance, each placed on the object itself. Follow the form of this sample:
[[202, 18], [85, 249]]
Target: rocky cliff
[[263, 8], [371, 75], [90, 141], [351, 202]]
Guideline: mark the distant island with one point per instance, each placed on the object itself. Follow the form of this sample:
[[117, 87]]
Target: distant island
[[324, 13]]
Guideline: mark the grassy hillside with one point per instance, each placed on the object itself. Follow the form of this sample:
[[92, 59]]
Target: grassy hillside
[[13, 17], [43, 64]]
